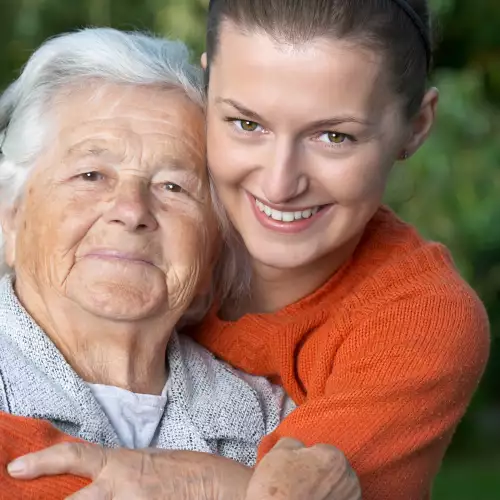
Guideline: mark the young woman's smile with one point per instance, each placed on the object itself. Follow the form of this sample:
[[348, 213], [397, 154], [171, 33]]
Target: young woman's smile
[[299, 158], [286, 219]]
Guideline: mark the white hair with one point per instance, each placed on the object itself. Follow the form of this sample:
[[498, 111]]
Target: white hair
[[102, 54], [95, 53], [113, 56]]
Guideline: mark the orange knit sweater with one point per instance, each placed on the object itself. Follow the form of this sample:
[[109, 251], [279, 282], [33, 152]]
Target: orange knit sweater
[[19, 436], [382, 360]]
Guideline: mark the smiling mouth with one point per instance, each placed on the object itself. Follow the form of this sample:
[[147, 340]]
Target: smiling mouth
[[283, 216]]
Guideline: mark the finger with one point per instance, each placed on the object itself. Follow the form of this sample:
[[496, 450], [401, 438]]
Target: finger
[[93, 492], [288, 444], [86, 460], [330, 456]]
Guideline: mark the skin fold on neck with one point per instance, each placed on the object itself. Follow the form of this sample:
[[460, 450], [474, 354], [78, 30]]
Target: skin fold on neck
[[129, 355]]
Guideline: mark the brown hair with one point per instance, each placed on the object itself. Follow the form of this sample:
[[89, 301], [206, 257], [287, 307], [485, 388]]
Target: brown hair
[[399, 28]]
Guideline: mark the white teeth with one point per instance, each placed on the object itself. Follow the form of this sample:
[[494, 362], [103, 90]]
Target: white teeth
[[286, 216], [276, 214]]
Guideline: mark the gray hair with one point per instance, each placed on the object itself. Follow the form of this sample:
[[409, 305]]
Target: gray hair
[[70, 59], [95, 53]]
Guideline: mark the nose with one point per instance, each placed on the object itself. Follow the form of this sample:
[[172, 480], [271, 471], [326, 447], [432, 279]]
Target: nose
[[284, 179], [130, 207]]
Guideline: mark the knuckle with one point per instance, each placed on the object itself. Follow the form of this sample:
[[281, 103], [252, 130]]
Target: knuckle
[[106, 493], [71, 450], [292, 442], [331, 456]]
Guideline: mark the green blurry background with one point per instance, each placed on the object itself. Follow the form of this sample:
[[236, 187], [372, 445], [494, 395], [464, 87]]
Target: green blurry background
[[450, 190]]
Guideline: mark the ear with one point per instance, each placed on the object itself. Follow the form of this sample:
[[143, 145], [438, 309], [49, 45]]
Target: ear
[[8, 221], [204, 61], [424, 120]]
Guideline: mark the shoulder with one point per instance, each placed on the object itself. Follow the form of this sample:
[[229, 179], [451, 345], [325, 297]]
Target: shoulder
[[395, 267], [404, 293]]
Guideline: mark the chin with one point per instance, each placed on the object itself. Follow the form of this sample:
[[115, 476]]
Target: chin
[[124, 304], [118, 298], [284, 256]]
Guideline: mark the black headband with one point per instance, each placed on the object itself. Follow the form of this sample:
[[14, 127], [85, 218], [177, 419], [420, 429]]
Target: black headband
[[419, 24], [415, 19]]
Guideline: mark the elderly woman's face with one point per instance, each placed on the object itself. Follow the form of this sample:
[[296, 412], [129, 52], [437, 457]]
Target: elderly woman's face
[[116, 215]]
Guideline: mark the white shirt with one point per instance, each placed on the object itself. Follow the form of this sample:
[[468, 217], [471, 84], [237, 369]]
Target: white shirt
[[135, 417]]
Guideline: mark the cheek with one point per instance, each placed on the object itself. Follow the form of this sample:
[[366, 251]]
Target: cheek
[[187, 241], [228, 158], [51, 228], [355, 180]]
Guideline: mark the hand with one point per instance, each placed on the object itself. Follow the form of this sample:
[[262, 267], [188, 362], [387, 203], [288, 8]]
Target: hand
[[121, 474], [293, 472]]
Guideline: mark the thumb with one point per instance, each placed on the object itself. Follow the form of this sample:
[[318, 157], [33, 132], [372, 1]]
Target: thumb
[[79, 459]]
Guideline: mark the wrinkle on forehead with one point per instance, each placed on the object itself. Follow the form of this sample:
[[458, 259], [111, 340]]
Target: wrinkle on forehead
[[130, 119]]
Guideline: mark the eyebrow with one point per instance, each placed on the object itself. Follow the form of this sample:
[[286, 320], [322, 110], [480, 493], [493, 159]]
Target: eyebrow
[[87, 148], [90, 147], [173, 163], [325, 123], [240, 108]]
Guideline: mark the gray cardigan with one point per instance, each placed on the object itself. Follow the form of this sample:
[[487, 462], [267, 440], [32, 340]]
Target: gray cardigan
[[211, 407]]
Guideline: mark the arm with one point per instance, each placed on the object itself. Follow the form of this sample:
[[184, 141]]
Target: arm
[[392, 401], [289, 471], [18, 436]]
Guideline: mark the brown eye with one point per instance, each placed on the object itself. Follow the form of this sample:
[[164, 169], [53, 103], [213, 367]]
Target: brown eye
[[336, 138], [173, 188], [247, 125], [91, 176]]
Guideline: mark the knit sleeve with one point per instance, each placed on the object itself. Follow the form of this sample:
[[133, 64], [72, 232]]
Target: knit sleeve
[[399, 385], [19, 436]]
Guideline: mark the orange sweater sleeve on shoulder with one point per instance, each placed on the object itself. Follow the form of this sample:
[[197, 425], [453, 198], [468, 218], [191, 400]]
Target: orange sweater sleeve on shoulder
[[399, 386], [19, 436]]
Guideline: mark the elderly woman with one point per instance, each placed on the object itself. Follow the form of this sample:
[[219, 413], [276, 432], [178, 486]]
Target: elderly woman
[[108, 241]]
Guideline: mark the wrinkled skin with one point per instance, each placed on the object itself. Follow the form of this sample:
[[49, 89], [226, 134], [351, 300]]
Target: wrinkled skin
[[290, 471], [114, 232]]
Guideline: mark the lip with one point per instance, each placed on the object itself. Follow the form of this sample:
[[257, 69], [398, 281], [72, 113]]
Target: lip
[[281, 208], [285, 227], [109, 254]]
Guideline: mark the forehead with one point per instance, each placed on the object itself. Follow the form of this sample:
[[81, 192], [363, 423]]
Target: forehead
[[119, 117], [313, 75]]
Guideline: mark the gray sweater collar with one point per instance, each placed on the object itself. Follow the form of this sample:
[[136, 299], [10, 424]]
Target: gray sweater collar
[[38, 382]]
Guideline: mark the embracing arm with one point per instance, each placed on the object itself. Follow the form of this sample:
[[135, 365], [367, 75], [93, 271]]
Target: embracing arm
[[289, 471], [393, 401], [18, 436]]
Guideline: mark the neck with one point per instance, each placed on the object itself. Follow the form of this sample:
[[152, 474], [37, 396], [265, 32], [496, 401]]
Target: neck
[[273, 288], [129, 355]]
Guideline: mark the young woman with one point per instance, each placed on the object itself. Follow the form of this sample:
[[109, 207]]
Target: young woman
[[369, 327]]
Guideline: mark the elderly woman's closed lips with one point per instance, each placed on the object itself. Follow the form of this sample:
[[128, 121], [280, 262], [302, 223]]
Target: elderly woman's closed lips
[[110, 240]]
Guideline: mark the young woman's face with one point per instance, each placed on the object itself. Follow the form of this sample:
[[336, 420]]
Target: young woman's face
[[301, 140]]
